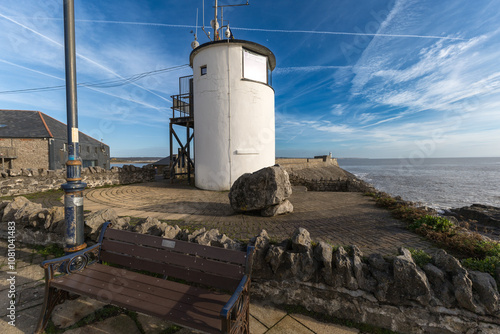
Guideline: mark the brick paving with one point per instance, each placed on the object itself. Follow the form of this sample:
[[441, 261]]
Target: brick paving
[[336, 217]]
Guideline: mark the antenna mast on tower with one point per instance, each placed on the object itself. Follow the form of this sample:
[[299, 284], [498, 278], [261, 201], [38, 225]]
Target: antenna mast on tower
[[215, 22]]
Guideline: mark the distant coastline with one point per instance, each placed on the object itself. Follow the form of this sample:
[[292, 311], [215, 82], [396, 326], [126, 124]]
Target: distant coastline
[[133, 160]]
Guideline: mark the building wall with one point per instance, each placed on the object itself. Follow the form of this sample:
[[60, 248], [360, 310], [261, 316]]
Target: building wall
[[92, 154], [31, 152], [51, 154]]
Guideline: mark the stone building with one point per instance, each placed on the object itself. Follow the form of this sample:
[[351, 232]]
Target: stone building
[[32, 139]]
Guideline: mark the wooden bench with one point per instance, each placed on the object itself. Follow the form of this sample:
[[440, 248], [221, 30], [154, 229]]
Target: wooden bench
[[205, 305]]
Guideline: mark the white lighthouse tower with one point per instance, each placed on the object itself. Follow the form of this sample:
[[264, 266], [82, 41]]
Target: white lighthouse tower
[[232, 107], [233, 111]]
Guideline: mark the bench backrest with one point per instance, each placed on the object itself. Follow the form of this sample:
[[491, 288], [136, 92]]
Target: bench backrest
[[212, 266]]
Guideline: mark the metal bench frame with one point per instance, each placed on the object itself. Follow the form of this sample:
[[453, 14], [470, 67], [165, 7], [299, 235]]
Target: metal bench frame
[[208, 310]]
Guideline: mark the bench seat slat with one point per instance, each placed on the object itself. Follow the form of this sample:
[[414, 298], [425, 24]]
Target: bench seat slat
[[197, 315], [151, 284], [220, 282], [165, 256], [226, 255]]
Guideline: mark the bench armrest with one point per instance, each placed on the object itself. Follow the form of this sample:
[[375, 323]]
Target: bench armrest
[[73, 262], [226, 310], [76, 261]]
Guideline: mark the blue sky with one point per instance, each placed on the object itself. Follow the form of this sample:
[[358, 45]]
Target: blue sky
[[374, 79]]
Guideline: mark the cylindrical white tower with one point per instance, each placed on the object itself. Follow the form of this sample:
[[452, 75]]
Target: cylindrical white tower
[[233, 111]]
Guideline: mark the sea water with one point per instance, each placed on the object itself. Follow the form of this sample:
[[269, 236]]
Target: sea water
[[441, 183]]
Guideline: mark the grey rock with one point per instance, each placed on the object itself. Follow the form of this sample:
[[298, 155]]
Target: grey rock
[[28, 214], [410, 282], [447, 262], [381, 272], [149, 226], [171, 232], [261, 244], [3, 204], [207, 238], [485, 214], [214, 238], [193, 235], [299, 266], [257, 191], [53, 216], [39, 237], [343, 274], [278, 209], [378, 262], [12, 207], [14, 172], [122, 223], [441, 286], [274, 256], [485, 287], [225, 242], [361, 271], [323, 254], [463, 291], [228, 243], [301, 240], [94, 222]]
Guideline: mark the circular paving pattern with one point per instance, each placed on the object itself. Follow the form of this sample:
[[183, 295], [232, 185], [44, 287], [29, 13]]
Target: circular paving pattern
[[336, 217]]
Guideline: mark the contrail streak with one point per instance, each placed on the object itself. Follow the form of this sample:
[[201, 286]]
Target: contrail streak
[[91, 88], [79, 55], [346, 33], [273, 30], [30, 69], [285, 70]]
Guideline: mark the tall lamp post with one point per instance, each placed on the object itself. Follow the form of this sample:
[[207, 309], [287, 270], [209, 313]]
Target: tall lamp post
[[73, 188]]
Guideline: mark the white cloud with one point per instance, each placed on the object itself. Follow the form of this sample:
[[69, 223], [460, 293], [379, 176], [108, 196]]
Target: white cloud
[[338, 110]]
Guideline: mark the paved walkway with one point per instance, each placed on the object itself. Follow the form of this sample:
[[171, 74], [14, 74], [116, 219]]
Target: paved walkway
[[336, 217]]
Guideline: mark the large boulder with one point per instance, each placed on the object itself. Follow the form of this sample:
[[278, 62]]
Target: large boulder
[[261, 190]]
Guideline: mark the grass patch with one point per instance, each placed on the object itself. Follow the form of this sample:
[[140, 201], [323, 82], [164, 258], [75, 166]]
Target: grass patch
[[57, 194], [479, 253], [488, 265], [434, 223], [171, 330], [364, 328], [420, 257], [52, 249]]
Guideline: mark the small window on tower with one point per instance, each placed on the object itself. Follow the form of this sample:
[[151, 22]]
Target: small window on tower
[[203, 69]]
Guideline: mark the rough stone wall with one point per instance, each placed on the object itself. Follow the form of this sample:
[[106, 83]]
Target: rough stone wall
[[340, 184], [22, 181], [31, 152], [306, 163], [393, 293]]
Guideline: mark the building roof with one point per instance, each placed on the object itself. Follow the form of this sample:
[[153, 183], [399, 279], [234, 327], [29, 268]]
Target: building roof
[[35, 124], [252, 46]]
